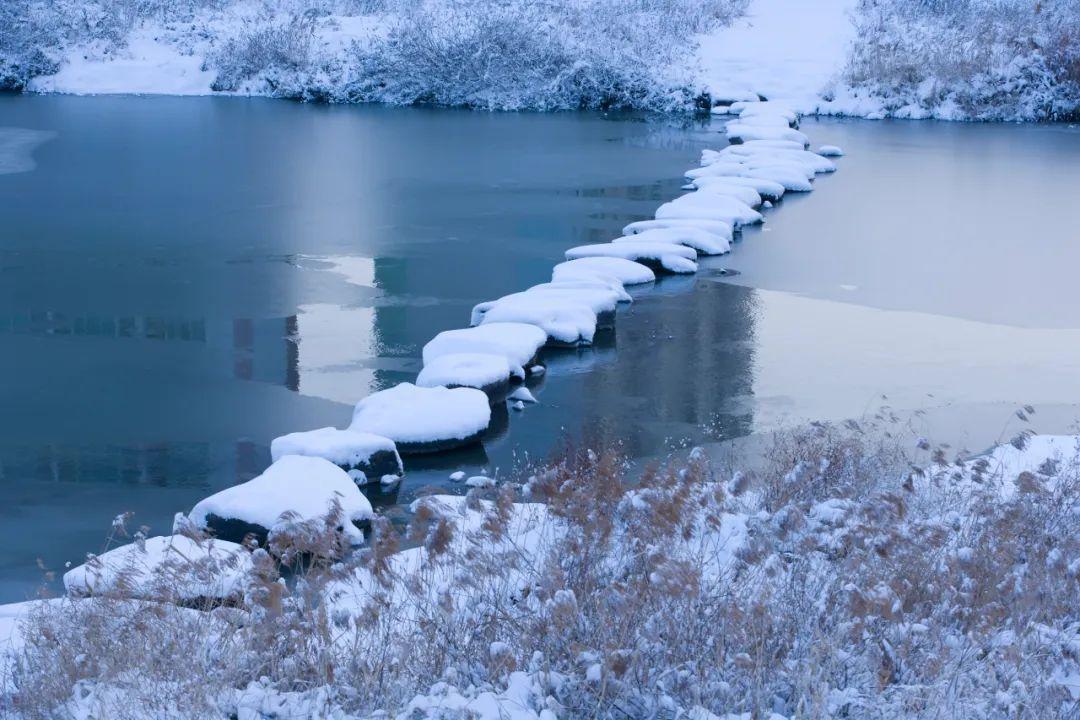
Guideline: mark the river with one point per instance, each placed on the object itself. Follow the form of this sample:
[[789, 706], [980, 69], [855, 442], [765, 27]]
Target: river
[[183, 279]]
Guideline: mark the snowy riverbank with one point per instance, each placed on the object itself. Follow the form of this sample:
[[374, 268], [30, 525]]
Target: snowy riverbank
[[1006, 61], [828, 580]]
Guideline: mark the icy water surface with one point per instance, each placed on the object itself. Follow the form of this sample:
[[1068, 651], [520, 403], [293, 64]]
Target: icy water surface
[[181, 280]]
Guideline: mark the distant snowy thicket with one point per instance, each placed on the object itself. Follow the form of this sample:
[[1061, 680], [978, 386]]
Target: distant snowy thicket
[[969, 59], [505, 54]]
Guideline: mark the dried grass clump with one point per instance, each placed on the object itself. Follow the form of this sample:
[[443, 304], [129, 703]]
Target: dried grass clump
[[829, 581]]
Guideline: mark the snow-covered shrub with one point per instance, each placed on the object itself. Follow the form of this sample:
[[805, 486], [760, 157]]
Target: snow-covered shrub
[[969, 59], [34, 34], [538, 54], [268, 46], [829, 580]]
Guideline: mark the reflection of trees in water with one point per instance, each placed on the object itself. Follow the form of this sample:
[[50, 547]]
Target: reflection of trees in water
[[164, 464]]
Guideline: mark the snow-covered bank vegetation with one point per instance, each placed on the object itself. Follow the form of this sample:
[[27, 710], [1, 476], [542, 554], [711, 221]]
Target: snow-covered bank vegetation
[[828, 579], [511, 54], [966, 59]]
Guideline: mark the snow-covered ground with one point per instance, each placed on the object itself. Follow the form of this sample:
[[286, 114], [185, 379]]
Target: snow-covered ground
[[790, 50], [147, 65]]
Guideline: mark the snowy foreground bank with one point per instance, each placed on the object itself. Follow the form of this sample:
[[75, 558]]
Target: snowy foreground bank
[[981, 60], [831, 580]]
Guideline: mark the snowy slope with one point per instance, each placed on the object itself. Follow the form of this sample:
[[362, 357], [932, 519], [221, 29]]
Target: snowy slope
[[782, 49], [146, 66]]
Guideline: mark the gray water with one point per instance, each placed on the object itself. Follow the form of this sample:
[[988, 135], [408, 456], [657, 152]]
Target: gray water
[[183, 279]]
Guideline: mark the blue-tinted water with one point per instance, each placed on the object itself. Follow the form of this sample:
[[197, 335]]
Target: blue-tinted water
[[183, 279]]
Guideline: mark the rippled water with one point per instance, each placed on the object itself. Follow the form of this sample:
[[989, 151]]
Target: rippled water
[[181, 280]]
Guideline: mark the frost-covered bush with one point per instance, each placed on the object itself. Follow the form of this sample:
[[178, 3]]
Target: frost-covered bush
[[830, 579], [35, 33], [538, 54], [498, 54], [969, 59], [268, 46]]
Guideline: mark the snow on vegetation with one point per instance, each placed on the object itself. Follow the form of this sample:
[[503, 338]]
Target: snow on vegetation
[[518, 54], [963, 60], [844, 573], [185, 568]]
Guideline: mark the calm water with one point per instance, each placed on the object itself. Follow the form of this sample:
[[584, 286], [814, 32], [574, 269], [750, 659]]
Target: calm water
[[181, 280]]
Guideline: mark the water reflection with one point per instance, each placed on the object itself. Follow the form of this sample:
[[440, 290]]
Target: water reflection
[[158, 329]]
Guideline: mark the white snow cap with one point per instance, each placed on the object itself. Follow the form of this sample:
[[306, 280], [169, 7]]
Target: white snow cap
[[341, 447], [162, 567], [305, 486], [716, 227], [756, 156], [673, 258], [767, 189], [517, 342], [744, 132], [791, 176], [475, 370], [702, 241], [551, 307], [586, 281], [566, 320], [709, 207], [830, 151], [626, 272], [406, 413], [743, 194]]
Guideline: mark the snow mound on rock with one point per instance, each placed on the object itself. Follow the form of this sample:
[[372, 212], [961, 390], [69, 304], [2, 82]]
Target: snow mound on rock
[[517, 342], [303, 487], [624, 271], [162, 567], [424, 419]]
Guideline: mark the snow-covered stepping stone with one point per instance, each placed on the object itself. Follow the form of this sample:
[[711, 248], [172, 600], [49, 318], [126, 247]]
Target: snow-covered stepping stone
[[626, 272], [830, 151], [765, 109], [766, 144], [587, 282], [746, 195], [483, 371], [173, 567], [365, 457], [295, 489], [813, 162], [743, 194], [767, 120], [661, 257], [424, 419], [705, 243], [792, 177], [768, 190], [739, 132], [709, 207], [600, 300], [566, 320], [517, 342], [717, 227]]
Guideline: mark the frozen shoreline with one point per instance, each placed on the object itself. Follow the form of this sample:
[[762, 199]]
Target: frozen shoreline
[[804, 54]]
